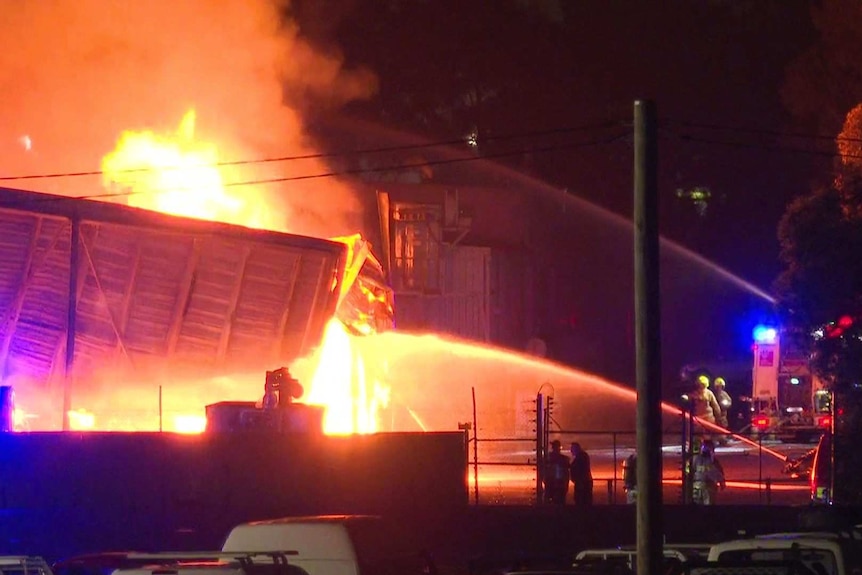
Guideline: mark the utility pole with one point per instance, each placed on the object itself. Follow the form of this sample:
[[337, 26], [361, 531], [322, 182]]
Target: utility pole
[[650, 533]]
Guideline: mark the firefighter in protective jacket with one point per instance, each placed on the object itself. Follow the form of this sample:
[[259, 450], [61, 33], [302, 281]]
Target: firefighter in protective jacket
[[724, 400], [556, 475], [707, 475], [705, 405]]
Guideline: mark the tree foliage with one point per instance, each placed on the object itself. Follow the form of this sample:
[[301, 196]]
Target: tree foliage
[[820, 291], [825, 81], [821, 241]]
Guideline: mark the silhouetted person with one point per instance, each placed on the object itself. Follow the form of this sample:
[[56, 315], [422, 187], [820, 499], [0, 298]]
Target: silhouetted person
[[556, 475], [724, 402], [582, 475], [630, 478]]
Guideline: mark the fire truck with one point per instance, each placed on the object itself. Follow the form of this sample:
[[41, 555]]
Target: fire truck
[[788, 402]]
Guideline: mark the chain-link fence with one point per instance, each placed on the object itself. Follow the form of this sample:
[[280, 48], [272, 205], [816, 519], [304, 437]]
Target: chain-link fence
[[508, 470]]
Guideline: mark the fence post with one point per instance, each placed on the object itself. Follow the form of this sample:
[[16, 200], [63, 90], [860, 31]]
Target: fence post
[[769, 491], [614, 497], [540, 448], [610, 491], [475, 450], [760, 467], [685, 439]]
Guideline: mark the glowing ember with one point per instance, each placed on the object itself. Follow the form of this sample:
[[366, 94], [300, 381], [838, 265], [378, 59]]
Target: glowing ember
[[178, 174]]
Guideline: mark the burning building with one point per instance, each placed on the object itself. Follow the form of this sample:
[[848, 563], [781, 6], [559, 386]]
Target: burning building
[[107, 300]]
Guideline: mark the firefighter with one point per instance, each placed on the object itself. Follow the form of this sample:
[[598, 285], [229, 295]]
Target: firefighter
[[705, 405], [556, 475], [707, 475], [724, 403]]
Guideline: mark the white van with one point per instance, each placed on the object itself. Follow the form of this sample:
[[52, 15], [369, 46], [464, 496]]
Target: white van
[[320, 545], [310, 545]]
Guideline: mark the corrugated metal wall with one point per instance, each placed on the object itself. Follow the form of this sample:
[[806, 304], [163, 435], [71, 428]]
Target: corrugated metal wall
[[485, 297], [462, 305]]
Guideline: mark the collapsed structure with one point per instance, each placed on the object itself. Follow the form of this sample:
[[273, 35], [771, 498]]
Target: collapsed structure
[[93, 293]]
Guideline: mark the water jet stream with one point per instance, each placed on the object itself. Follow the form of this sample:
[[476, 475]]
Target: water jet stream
[[741, 438]]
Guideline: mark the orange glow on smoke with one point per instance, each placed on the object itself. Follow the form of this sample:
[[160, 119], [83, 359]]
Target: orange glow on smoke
[[353, 399]]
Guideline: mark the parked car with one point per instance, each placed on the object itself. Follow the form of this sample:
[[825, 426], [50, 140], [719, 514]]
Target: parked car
[[822, 553], [23, 565], [674, 556]]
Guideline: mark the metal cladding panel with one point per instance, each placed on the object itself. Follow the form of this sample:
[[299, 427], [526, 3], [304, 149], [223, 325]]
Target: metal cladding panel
[[154, 292], [462, 308]]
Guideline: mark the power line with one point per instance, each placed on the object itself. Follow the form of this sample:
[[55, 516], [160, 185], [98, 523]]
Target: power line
[[354, 171], [767, 147], [763, 132], [324, 155], [375, 169]]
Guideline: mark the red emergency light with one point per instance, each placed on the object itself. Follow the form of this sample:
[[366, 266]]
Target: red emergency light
[[824, 421], [760, 422]]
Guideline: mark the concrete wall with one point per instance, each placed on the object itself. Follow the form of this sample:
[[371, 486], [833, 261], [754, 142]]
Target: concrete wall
[[73, 493]]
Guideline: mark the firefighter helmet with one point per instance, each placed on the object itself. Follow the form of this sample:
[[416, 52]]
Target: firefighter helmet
[[719, 382], [703, 380]]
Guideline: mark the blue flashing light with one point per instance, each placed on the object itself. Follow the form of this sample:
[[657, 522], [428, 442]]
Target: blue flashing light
[[765, 334]]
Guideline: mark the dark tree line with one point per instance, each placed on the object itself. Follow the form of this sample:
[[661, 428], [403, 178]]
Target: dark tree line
[[820, 291]]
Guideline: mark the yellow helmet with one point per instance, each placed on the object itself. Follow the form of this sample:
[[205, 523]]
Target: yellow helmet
[[703, 380], [719, 382]]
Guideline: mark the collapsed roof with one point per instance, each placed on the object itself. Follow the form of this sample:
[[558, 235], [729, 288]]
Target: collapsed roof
[[152, 293]]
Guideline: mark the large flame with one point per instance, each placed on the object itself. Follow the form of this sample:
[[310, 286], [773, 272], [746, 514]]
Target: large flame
[[352, 395], [178, 174]]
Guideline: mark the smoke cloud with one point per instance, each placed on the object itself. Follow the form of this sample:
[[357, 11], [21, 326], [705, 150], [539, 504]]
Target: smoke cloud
[[76, 73]]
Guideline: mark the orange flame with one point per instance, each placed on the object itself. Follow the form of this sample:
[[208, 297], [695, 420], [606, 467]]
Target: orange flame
[[81, 420], [19, 419], [189, 423], [180, 175], [341, 382]]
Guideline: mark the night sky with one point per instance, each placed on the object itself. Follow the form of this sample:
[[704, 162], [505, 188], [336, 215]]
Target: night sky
[[543, 65]]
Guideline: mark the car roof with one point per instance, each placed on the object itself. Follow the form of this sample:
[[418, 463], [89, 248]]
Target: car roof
[[812, 535], [18, 559], [777, 543]]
